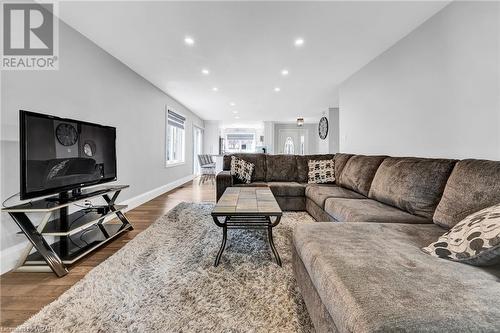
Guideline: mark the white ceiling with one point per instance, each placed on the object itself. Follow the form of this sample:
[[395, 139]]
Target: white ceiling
[[245, 45]]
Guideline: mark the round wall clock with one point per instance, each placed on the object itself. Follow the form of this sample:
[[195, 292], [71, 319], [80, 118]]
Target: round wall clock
[[66, 134], [323, 128]]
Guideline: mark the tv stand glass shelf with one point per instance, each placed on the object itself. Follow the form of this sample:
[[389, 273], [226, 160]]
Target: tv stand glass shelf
[[76, 234]]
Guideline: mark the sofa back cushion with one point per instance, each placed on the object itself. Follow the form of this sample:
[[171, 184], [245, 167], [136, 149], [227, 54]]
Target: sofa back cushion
[[259, 160], [472, 186], [302, 164], [340, 162], [358, 173], [411, 184], [281, 168]]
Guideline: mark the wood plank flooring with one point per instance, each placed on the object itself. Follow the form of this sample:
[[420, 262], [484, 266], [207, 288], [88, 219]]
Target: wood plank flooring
[[24, 294]]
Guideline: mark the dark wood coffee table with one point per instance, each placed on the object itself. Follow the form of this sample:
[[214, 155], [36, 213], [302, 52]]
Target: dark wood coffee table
[[247, 208]]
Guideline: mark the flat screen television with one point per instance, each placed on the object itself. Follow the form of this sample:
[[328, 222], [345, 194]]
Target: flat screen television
[[60, 155]]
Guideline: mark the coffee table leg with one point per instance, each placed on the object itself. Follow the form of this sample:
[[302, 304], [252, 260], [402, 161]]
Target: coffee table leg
[[223, 245], [271, 242]]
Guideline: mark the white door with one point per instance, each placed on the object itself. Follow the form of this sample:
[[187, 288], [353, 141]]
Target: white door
[[197, 148], [292, 141]]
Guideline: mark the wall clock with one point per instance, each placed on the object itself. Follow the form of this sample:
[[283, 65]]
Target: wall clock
[[323, 128], [66, 134]]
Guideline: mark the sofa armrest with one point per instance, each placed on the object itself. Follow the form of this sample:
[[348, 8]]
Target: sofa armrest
[[223, 180]]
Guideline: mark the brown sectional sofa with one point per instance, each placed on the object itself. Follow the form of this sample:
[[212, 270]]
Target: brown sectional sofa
[[370, 275], [285, 175]]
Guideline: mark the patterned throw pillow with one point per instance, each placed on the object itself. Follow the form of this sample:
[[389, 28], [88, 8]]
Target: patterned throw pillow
[[321, 171], [242, 169], [475, 240]]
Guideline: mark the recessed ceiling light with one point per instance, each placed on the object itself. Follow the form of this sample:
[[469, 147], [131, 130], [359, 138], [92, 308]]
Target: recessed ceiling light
[[232, 103], [299, 42], [205, 71], [235, 112], [189, 40], [284, 72], [236, 117], [215, 89], [277, 89]]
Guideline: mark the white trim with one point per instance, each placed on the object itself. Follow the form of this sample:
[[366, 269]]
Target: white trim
[[145, 197], [10, 255], [174, 164]]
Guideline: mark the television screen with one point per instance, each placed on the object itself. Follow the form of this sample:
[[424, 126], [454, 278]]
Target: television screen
[[59, 155]]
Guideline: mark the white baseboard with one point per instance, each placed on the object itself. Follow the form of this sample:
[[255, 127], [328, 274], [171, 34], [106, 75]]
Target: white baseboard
[[145, 197], [10, 255]]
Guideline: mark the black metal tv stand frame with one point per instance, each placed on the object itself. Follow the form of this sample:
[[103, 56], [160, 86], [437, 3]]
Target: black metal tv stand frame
[[93, 223]]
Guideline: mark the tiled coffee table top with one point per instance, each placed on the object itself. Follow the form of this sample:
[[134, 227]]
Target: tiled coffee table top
[[247, 201]]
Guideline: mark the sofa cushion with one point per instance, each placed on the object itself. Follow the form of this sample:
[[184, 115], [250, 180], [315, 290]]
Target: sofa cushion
[[373, 277], [259, 160], [411, 184], [472, 186], [367, 210], [287, 189], [281, 168], [320, 192], [302, 164], [254, 184], [317, 212], [358, 173], [317, 311], [340, 162], [475, 240]]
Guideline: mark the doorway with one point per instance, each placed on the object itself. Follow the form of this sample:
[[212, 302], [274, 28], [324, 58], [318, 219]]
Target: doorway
[[292, 141]]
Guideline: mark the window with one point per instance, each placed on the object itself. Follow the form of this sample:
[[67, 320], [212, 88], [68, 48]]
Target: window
[[175, 138]]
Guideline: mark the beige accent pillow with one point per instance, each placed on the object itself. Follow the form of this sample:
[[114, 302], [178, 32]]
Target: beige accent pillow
[[475, 240], [321, 171], [242, 169]]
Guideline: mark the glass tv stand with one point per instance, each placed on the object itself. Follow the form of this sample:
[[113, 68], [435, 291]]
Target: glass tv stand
[[76, 234]]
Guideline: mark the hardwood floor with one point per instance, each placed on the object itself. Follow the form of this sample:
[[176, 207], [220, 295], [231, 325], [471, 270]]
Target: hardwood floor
[[24, 294]]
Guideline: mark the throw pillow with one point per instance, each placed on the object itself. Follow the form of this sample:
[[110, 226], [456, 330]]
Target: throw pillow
[[321, 171], [475, 240], [242, 169]]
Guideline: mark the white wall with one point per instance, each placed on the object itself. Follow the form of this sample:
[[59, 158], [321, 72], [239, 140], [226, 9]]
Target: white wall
[[434, 93], [330, 145], [93, 86], [211, 137], [269, 136], [333, 130]]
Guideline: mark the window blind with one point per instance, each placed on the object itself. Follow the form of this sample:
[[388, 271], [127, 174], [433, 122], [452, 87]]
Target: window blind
[[176, 119]]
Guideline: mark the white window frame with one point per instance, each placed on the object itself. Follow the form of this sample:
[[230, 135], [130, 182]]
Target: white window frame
[[182, 160]]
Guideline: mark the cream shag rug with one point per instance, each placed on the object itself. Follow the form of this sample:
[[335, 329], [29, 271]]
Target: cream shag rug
[[164, 281]]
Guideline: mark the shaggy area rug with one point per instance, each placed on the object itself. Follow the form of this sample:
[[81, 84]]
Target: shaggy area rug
[[164, 281]]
